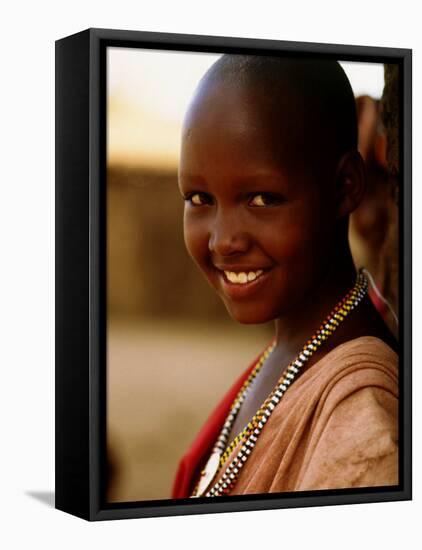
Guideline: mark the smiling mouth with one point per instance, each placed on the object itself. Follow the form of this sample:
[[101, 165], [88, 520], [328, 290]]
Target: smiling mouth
[[242, 285], [242, 277]]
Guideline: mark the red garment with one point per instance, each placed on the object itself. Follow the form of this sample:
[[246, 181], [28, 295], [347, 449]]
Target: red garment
[[378, 303], [202, 446]]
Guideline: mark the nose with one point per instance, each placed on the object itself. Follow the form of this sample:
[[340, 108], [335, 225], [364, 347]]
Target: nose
[[227, 235]]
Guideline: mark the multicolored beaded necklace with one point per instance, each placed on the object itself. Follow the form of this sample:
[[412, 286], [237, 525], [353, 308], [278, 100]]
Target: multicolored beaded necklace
[[249, 435]]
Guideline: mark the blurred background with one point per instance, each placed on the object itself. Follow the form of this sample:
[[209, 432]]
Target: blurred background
[[172, 350]]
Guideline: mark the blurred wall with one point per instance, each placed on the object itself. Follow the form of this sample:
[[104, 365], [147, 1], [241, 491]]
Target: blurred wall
[[149, 271]]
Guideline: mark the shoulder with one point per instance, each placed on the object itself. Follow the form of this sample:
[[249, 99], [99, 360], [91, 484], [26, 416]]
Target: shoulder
[[356, 445], [354, 433], [365, 349], [363, 362], [362, 371], [365, 365]]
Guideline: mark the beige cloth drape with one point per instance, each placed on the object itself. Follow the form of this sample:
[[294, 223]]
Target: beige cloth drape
[[335, 427]]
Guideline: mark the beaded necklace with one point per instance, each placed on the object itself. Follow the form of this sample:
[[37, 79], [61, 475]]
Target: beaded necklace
[[249, 435]]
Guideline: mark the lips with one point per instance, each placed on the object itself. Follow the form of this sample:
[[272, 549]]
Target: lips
[[242, 282]]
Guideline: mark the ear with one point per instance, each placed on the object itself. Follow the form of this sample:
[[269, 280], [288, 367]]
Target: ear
[[350, 183]]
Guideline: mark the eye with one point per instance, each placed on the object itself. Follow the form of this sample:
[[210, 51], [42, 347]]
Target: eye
[[198, 199], [264, 199]]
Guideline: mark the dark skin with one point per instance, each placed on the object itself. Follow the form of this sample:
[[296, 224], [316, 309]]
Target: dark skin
[[253, 205]]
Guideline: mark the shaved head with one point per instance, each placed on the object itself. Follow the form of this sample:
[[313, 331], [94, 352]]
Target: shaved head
[[310, 100]]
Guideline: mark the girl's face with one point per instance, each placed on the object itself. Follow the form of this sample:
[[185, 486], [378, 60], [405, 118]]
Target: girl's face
[[256, 221]]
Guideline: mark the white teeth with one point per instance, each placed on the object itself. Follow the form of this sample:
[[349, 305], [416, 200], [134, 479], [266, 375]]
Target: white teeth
[[242, 277], [232, 277]]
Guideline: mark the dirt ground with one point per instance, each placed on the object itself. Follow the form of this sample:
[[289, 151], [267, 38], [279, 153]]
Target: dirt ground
[[163, 379]]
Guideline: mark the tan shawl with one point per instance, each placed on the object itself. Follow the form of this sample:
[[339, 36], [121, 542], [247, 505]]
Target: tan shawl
[[335, 427]]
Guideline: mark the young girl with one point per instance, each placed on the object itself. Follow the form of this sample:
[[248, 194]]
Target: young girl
[[269, 171]]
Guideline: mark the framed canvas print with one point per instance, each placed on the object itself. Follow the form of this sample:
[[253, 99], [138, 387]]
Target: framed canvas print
[[233, 274]]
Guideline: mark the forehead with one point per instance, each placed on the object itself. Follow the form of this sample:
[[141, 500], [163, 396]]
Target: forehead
[[246, 127]]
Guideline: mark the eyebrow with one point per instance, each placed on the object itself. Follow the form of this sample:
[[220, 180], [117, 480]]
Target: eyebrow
[[186, 175], [264, 175], [258, 176]]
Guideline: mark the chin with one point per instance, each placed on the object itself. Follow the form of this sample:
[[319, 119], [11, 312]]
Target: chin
[[250, 317]]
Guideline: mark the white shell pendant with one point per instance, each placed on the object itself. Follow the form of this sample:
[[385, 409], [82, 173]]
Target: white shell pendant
[[208, 473]]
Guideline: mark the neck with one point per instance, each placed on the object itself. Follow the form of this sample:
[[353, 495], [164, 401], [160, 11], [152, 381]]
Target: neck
[[296, 327]]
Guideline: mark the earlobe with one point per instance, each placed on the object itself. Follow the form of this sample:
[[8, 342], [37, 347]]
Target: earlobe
[[350, 183]]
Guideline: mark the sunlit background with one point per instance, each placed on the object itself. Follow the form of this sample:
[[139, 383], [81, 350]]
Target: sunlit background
[[149, 92], [172, 349]]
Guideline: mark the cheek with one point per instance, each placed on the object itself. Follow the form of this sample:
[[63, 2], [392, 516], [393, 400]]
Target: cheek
[[300, 242], [297, 242], [196, 240]]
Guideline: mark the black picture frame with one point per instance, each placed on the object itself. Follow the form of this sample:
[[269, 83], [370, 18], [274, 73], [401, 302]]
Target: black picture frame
[[81, 274]]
